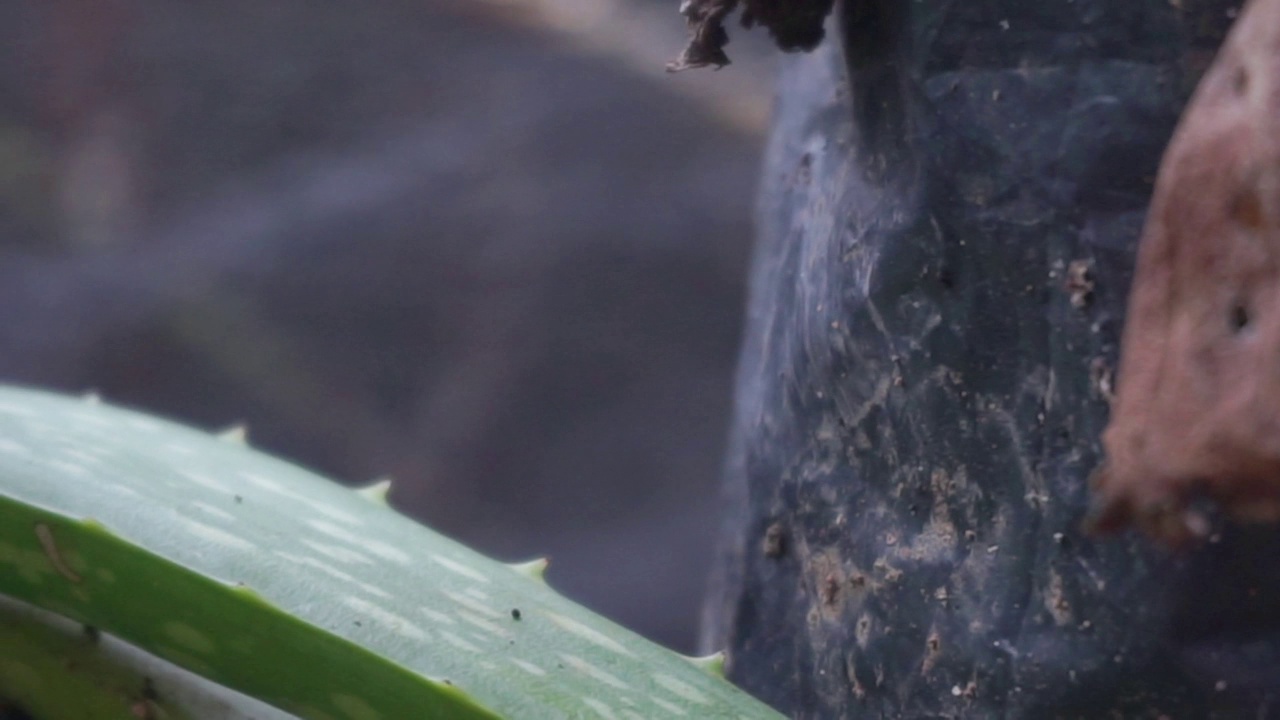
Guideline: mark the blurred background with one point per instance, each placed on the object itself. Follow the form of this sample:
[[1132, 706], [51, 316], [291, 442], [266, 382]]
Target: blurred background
[[485, 247]]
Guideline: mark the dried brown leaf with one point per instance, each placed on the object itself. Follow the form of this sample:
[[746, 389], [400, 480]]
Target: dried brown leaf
[[794, 25], [1197, 410]]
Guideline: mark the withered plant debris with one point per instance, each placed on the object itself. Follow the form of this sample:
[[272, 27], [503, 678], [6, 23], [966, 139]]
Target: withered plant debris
[[1197, 412], [794, 24]]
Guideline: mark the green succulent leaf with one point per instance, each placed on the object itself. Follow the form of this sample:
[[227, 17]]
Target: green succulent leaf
[[321, 601], [51, 667]]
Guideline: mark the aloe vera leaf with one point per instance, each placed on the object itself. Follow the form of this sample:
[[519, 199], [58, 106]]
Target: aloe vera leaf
[[270, 580], [51, 667]]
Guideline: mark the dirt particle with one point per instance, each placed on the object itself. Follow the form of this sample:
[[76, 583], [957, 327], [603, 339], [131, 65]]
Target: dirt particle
[[1055, 599], [1103, 378], [862, 632], [515, 614], [933, 647], [891, 574], [830, 589], [775, 541], [804, 173], [1079, 283]]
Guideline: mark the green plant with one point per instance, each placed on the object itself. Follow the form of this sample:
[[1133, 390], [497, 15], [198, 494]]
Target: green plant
[[227, 574]]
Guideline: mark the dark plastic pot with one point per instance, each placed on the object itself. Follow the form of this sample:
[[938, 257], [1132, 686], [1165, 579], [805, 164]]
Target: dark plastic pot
[[948, 217]]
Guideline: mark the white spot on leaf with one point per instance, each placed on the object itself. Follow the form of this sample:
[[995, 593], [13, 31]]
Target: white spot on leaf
[[376, 547], [18, 410], [334, 531], [207, 482], [387, 552], [116, 487], [487, 625], [457, 567], [458, 642], [381, 615], [213, 510], [472, 604], [262, 481], [437, 616], [217, 536], [143, 424], [601, 709], [86, 456], [314, 563], [593, 672], [70, 468], [528, 667], [681, 688], [590, 634], [672, 708], [334, 513], [337, 552], [373, 590]]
